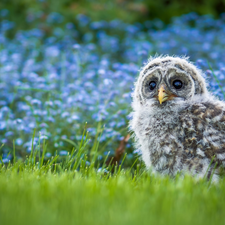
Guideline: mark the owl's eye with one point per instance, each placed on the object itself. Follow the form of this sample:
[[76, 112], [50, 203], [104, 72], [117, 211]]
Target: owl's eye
[[152, 85], [177, 84]]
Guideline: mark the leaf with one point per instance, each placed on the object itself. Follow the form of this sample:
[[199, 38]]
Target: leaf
[[71, 142], [119, 151]]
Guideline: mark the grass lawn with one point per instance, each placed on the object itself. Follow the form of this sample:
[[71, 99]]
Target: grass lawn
[[46, 195]]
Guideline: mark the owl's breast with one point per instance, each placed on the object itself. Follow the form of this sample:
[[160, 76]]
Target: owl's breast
[[162, 140], [162, 124]]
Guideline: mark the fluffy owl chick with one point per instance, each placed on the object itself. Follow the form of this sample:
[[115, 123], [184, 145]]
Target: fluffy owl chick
[[178, 125]]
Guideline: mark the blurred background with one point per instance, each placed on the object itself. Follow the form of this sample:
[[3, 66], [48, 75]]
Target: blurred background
[[24, 12], [64, 63]]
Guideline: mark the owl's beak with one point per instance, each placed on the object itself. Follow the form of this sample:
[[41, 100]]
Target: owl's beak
[[162, 95]]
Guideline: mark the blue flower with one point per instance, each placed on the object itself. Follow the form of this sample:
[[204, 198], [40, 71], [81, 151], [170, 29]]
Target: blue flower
[[63, 153], [86, 72]]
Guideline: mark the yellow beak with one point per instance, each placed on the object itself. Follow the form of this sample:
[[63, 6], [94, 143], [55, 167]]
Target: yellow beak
[[162, 95]]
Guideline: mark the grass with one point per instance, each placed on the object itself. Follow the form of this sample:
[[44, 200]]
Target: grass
[[55, 193]]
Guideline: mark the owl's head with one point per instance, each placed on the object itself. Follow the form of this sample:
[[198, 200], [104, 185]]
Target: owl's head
[[165, 79]]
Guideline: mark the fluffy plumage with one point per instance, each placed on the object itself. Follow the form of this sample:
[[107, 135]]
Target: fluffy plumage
[[186, 132]]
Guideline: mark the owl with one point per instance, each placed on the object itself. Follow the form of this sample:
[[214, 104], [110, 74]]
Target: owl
[[178, 125]]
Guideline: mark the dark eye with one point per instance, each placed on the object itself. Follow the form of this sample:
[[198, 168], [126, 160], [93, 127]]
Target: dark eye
[[177, 84], [152, 85]]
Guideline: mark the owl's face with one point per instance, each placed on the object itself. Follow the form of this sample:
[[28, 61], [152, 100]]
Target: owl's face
[[165, 79], [167, 84]]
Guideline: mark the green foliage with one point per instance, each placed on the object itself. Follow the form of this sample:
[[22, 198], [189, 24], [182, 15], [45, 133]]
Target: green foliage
[[135, 11], [166, 9]]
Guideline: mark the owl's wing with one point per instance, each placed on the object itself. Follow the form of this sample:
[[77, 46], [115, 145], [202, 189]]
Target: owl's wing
[[204, 131]]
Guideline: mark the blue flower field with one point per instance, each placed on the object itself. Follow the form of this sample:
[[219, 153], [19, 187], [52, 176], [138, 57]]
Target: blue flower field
[[57, 82]]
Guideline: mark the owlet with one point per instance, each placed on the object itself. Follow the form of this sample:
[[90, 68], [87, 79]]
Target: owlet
[[178, 125]]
